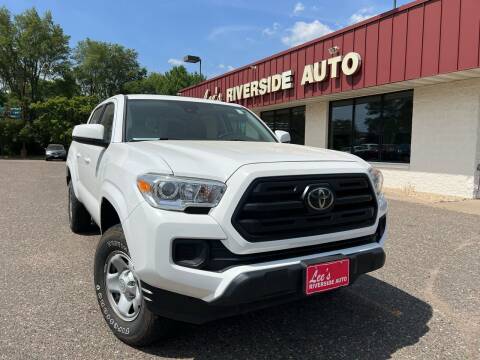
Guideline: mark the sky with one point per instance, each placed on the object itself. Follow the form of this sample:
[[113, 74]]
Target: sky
[[225, 34]]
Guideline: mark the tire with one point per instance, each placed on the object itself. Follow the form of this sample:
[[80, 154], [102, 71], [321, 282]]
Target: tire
[[136, 326], [79, 218]]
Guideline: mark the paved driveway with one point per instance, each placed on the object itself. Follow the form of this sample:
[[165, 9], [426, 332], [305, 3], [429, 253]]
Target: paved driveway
[[425, 303]]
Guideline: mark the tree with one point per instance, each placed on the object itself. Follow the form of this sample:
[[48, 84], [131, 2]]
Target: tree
[[102, 69], [66, 86], [10, 141], [151, 84], [32, 48], [169, 83], [57, 116], [178, 78]]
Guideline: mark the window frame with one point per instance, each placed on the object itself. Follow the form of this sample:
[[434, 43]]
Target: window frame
[[100, 107], [113, 120], [352, 134]]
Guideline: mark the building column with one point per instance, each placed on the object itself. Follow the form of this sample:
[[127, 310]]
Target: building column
[[316, 124]]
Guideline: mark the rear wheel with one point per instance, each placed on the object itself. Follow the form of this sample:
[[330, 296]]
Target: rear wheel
[[119, 293], [79, 218]]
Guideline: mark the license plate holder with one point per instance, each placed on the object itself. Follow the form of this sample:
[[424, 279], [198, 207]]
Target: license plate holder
[[325, 276]]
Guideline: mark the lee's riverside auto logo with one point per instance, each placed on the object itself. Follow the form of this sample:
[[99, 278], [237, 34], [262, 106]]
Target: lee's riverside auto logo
[[327, 276], [348, 64]]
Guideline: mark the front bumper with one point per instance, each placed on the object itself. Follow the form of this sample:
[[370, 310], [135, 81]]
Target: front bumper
[[252, 290], [150, 234]]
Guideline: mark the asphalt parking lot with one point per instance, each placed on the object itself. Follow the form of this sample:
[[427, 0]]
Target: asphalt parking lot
[[425, 302]]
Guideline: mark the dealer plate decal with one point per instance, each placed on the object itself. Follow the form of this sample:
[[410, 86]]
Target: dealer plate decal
[[327, 276]]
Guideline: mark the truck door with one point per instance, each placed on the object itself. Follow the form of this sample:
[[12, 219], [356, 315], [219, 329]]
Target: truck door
[[94, 161], [82, 161]]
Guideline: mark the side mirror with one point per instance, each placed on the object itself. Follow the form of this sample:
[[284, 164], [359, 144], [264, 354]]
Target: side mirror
[[283, 136], [91, 134]]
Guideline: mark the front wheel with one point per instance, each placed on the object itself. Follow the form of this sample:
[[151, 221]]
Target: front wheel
[[119, 293]]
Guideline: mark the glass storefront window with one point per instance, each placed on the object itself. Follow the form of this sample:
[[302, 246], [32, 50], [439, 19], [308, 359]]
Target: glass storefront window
[[341, 126], [291, 120], [375, 128]]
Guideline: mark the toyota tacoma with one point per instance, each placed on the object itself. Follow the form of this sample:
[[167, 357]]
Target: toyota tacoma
[[206, 213]]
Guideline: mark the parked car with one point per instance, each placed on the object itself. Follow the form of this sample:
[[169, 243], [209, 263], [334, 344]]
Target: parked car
[[55, 151], [206, 213]]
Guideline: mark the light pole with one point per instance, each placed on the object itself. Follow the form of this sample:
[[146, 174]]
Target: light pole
[[193, 59], [394, 4]]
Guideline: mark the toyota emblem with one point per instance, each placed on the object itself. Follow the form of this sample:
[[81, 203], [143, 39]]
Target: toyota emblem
[[320, 198]]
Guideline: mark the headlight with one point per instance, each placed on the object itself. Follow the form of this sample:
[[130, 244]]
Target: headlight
[[377, 179], [177, 193]]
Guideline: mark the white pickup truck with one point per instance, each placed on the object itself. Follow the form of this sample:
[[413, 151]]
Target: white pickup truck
[[206, 213]]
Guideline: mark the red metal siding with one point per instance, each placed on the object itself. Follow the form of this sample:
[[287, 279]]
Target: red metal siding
[[384, 51], [309, 59], [423, 38], [399, 47], [469, 46], [348, 44], [325, 85], [336, 83], [370, 62], [358, 79], [450, 27], [431, 38], [413, 60], [317, 90]]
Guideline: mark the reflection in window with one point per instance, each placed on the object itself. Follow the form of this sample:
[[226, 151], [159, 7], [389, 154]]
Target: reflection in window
[[107, 122], [341, 125], [291, 120], [368, 128], [375, 128]]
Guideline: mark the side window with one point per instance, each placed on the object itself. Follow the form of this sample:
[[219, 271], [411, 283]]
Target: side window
[[95, 119], [107, 121]]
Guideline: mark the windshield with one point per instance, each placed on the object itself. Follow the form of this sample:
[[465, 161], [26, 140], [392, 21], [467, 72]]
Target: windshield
[[55, 147], [185, 120]]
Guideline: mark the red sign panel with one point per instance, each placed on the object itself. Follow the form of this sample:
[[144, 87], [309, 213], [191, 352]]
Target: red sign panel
[[327, 276], [420, 39]]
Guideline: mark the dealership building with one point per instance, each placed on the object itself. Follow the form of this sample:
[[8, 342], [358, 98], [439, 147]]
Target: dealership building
[[401, 90]]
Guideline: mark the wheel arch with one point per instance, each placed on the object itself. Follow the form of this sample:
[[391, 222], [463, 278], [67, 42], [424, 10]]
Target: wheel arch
[[71, 177], [68, 176], [113, 208]]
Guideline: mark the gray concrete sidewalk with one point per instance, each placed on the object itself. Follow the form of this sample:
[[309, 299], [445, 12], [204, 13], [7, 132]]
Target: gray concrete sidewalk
[[451, 203]]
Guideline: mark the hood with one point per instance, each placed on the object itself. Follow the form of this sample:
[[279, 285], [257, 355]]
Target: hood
[[218, 160]]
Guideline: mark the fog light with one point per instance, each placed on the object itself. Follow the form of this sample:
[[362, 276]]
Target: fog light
[[190, 252]]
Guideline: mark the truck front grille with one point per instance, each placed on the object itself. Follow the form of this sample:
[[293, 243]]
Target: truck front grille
[[275, 208]]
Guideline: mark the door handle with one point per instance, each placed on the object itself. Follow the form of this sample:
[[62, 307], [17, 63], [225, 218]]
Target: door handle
[[87, 160], [78, 155]]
